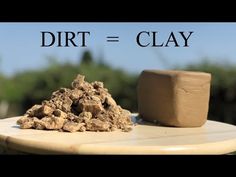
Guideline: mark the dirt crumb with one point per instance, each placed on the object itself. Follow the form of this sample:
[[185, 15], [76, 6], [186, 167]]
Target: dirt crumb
[[71, 126], [83, 107]]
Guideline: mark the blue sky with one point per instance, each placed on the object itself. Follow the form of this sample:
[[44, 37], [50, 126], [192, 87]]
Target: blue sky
[[20, 45]]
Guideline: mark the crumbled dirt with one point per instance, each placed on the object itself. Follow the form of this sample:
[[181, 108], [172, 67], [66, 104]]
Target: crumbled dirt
[[83, 107]]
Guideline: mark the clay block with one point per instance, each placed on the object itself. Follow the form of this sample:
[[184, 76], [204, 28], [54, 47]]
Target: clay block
[[174, 98]]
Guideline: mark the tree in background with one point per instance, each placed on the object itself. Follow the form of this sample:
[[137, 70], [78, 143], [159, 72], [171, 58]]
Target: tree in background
[[86, 58]]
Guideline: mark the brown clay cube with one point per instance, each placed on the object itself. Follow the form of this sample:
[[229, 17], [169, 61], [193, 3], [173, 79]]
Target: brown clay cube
[[174, 98]]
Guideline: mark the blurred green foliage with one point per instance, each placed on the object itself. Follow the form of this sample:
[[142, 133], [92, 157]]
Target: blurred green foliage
[[24, 89], [31, 87]]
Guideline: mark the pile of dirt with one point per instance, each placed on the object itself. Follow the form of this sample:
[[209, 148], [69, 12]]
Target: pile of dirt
[[83, 107]]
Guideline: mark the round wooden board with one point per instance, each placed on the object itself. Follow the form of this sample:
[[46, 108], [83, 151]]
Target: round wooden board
[[145, 138]]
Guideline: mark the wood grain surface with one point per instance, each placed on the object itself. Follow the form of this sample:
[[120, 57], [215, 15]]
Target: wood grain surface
[[145, 138]]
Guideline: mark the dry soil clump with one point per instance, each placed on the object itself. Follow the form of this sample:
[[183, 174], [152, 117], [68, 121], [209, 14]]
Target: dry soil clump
[[83, 107]]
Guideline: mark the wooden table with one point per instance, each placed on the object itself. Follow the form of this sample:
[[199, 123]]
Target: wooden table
[[145, 138]]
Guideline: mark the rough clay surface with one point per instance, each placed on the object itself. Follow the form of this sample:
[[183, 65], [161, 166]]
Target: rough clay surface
[[83, 107]]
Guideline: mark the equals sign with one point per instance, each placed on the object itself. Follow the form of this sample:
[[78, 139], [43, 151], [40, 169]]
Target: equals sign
[[112, 39]]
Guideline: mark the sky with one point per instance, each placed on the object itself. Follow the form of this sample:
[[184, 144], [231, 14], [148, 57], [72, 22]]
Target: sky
[[20, 45]]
